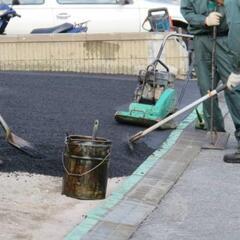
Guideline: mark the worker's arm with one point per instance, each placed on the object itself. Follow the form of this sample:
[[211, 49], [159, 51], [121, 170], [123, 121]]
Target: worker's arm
[[233, 20], [234, 43], [192, 17], [234, 78], [196, 13]]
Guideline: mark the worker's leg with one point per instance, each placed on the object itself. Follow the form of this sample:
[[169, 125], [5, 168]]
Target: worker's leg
[[224, 65], [203, 60]]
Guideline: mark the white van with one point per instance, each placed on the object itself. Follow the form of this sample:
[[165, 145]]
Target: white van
[[104, 16]]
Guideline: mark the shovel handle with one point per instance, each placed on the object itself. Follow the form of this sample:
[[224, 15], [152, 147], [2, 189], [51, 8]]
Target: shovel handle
[[95, 128], [5, 126]]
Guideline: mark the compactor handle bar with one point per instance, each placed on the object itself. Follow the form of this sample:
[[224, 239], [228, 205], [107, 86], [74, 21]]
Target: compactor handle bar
[[174, 34]]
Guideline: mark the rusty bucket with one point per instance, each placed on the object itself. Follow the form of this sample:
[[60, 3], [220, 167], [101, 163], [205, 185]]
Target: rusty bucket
[[85, 163]]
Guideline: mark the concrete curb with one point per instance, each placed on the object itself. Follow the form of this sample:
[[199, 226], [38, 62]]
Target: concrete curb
[[121, 213]]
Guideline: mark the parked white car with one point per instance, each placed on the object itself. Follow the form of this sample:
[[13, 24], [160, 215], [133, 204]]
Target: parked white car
[[104, 16]]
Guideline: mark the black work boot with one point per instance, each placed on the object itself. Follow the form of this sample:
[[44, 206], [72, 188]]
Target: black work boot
[[233, 157]]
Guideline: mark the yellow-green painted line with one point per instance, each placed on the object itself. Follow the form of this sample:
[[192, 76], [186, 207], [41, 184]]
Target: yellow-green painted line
[[96, 214]]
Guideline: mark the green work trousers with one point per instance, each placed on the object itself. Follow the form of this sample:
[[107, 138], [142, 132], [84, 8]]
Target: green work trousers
[[224, 65]]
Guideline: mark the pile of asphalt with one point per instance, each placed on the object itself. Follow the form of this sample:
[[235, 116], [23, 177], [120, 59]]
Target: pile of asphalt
[[42, 107]]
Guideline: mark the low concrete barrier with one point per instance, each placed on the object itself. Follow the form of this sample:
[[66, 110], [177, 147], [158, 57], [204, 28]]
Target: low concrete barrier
[[117, 53]]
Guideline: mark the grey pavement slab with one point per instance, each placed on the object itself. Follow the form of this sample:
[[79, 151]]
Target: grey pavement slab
[[190, 193], [145, 196], [203, 204]]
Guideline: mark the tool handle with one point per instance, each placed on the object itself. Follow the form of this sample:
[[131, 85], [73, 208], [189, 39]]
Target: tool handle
[[4, 124], [172, 116], [169, 35], [95, 128], [213, 80], [5, 127]]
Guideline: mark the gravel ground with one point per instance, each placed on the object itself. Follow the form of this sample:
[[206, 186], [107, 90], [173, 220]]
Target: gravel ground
[[33, 208]]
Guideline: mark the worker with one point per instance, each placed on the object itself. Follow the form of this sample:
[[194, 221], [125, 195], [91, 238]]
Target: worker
[[202, 17], [232, 10]]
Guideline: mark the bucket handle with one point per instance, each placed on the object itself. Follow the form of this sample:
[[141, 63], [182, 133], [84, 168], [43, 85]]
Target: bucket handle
[[80, 175]]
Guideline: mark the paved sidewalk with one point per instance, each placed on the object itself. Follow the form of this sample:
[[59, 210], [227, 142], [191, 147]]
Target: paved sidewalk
[[204, 203], [189, 193]]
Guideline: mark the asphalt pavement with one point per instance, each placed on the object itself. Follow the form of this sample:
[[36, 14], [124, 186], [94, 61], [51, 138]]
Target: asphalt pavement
[[42, 107]]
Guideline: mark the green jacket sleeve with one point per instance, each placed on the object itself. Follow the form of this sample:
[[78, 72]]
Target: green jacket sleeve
[[195, 13], [190, 14], [233, 19], [234, 43]]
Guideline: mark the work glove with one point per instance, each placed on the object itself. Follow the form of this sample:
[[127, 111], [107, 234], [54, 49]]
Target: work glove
[[233, 81], [213, 19]]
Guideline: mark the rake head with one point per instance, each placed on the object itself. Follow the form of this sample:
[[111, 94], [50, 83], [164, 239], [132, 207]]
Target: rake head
[[133, 139]]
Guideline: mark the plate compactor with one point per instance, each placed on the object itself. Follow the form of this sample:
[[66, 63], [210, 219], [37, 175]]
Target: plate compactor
[[154, 98]]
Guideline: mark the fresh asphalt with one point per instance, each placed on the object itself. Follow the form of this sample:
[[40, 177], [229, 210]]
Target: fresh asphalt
[[43, 107]]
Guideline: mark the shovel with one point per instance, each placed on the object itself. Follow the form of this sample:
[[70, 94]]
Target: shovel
[[18, 142], [141, 134], [95, 128]]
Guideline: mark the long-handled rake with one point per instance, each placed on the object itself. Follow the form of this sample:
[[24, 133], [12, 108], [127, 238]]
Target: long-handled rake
[[141, 134]]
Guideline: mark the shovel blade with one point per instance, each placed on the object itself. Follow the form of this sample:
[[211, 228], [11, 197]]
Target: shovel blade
[[216, 140], [23, 145]]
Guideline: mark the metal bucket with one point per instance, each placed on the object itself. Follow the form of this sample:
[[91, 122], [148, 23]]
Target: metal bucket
[[85, 162]]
